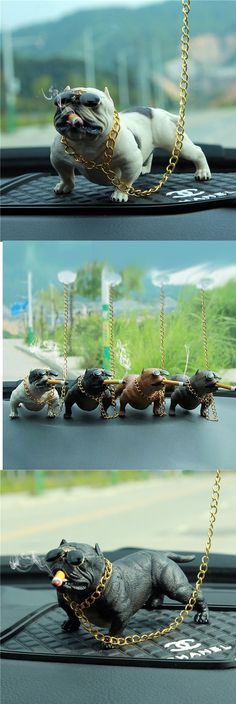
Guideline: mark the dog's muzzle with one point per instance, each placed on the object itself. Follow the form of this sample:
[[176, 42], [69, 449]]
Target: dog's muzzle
[[68, 118]]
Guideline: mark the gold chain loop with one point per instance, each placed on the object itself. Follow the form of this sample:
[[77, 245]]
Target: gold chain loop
[[104, 166], [141, 638], [39, 402], [158, 395]]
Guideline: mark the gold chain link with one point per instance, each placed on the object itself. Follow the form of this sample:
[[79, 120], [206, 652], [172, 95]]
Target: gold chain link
[[179, 136], [115, 413], [39, 402], [141, 638], [214, 416], [154, 396]]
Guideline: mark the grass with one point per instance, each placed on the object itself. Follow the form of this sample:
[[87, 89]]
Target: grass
[[34, 482]]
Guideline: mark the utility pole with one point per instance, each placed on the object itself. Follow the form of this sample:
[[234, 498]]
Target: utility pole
[[30, 335], [89, 65], [123, 82], [10, 81]]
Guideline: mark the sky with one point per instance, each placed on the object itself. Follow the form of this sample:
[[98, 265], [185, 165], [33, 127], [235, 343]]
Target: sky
[[19, 13], [45, 260]]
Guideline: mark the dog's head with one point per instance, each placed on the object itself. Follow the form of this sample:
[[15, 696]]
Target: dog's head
[[93, 379], [94, 110], [152, 378], [204, 381], [82, 564], [40, 378]]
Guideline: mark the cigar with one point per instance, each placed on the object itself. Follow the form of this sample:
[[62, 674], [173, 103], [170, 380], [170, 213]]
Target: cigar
[[58, 579], [225, 386], [53, 382], [113, 381], [74, 119]]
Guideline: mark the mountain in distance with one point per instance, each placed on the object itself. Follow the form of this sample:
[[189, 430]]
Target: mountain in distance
[[115, 30]]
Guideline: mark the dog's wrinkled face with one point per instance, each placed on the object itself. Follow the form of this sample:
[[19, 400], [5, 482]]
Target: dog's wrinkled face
[[153, 377], [204, 379], [94, 110], [40, 377], [82, 564], [94, 378]]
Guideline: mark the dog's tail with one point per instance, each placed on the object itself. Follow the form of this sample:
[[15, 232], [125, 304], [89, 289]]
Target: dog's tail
[[180, 558]]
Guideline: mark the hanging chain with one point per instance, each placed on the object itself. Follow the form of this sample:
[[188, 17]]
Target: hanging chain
[[162, 326], [141, 638], [48, 395], [179, 136], [155, 396], [212, 405]]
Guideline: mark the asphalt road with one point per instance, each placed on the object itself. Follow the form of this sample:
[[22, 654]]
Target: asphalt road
[[167, 512], [16, 364]]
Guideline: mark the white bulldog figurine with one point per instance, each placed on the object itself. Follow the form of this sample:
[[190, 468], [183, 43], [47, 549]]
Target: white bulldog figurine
[[85, 116], [35, 392]]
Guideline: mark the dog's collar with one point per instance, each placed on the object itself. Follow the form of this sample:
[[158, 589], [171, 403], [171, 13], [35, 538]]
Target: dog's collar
[[108, 151], [49, 394], [159, 394], [95, 595], [82, 389], [207, 399]]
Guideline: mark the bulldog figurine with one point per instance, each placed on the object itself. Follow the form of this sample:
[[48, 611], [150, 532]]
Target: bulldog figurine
[[197, 390], [139, 581], [87, 391], [141, 390], [85, 118], [35, 392]]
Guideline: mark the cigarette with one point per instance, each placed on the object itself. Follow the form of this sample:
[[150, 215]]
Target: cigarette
[[171, 382], [53, 382], [58, 579], [113, 381], [225, 386]]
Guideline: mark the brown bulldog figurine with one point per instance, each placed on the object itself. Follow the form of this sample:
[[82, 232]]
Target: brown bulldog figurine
[[140, 390]]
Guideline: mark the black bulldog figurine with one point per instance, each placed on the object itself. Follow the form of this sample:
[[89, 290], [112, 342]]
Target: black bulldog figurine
[[138, 581], [197, 390], [87, 392]]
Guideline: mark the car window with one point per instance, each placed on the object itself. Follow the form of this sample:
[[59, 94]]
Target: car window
[[47, 47]]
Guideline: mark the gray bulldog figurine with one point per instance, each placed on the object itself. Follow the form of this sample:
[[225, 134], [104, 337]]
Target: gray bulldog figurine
[[197, 390], [35, 392], [138, 581], [87, 392], [85, 118]]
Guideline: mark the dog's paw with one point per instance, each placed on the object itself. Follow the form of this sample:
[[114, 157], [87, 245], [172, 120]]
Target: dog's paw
[[62, 188], [203, 174], [119, 197], [171, 413], [201, 618], [51, 416], [13, 416], [70, 626], [67, 417], [121, 414]]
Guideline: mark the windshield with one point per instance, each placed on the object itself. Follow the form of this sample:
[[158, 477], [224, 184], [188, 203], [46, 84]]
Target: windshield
[[162, 511], [152, 284], [132, 47]]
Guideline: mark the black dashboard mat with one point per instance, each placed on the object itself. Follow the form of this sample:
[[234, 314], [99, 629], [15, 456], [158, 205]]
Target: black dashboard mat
[[140, 441], [29, 192], [39, 637]]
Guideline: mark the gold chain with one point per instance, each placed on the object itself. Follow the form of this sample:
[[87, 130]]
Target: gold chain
[[49, 394], [179, 136], [141, 638], [205, 347], [82, 389], [154, 396], [162, 326]]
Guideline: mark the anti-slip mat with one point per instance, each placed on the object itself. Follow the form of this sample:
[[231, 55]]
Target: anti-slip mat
[[39, 637], [180, 192]]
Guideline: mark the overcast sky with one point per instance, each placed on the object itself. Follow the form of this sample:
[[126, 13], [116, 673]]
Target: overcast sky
[[19, 13]]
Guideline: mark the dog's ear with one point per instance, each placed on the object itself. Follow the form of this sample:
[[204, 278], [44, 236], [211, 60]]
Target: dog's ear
[[106, 91], [98, 549], [142, 370], [66, 88], [63, 542], [197, 371]]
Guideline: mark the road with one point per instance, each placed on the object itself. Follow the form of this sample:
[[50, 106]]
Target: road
[[18, 362], [169, 511]]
